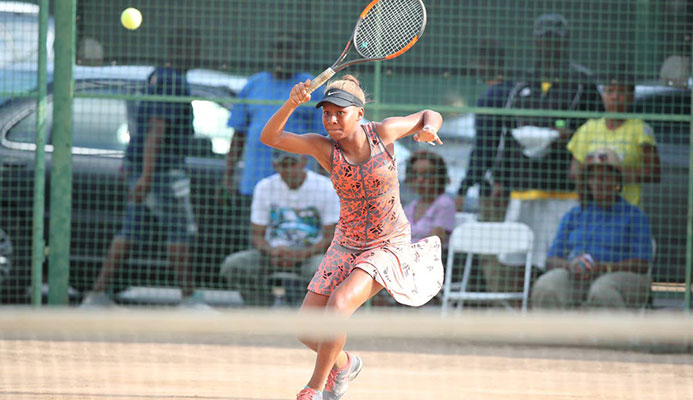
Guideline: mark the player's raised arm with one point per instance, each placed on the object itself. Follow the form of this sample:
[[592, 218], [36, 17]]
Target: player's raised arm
[[424, 125], [274, 135]]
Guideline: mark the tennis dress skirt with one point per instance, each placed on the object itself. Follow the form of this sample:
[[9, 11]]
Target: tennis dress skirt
[[411, 273]]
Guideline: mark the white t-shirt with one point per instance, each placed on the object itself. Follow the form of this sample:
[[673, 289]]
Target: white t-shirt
[[294, 218]]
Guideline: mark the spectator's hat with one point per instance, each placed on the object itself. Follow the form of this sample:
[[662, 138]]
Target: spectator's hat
[[551, 25], [603, 156], [280, 155]]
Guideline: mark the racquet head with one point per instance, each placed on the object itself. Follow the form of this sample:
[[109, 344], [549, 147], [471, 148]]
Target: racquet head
[[388, 28], [385, 29]]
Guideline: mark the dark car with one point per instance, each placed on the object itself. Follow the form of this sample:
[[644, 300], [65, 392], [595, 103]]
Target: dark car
[[666, 203], [101, 127]]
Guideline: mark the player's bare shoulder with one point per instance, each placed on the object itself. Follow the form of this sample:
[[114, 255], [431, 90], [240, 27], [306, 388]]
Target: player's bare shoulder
[[318, 145]]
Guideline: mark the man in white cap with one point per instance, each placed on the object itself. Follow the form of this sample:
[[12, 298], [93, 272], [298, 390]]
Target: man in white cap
[[601, 254]]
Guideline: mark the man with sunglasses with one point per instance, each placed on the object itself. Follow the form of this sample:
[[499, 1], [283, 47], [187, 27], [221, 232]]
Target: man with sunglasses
[[293, 217]]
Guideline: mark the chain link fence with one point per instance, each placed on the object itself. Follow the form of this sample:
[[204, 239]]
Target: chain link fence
[[570, 117]]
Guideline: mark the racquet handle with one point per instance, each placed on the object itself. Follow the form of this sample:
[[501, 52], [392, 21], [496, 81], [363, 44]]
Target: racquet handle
[[320, 79]]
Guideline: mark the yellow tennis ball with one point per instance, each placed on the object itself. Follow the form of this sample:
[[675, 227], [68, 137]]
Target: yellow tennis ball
[[131, 18]]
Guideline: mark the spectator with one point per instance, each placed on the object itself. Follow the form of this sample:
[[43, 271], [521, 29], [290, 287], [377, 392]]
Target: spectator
[[535, 164], [293, 216], [248, 121], [603, 248], [433, 211], [154, 167], [632, 139], [489, 65], [488, 139]]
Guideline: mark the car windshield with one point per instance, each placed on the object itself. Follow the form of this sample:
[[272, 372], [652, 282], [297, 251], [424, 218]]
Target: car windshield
[[670, 102], [103, 124], [100, 124], [19, 36], [210, 121]]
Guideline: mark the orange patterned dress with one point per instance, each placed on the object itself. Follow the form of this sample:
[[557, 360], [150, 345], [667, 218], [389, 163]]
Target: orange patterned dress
[[373, 233]]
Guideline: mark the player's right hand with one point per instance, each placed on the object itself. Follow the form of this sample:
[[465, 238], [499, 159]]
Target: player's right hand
[[300, 93]]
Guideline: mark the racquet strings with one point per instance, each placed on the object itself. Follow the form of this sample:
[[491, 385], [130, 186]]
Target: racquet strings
[[389, 27]]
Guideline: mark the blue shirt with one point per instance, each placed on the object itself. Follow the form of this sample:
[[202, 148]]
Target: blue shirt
[[613, 234], [178, 118], [251, 118]]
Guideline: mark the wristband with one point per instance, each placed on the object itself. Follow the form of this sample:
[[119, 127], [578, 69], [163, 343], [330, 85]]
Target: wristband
[[430, 128]]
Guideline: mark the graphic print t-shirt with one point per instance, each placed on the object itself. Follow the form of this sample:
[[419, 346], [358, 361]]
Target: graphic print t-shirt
[[294, 218]]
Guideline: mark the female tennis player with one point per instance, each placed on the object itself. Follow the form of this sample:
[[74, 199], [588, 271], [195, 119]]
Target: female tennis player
[[371, 248]]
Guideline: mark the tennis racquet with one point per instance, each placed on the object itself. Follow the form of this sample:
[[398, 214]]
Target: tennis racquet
[[385, 29]]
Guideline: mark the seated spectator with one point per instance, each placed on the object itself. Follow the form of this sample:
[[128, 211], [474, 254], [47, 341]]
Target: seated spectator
[[293, 217], [601, 253], [632, 139], [534, 163], [433, 211]]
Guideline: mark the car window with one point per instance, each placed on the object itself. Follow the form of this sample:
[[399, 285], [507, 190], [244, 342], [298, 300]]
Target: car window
[[672, 103], [19, 36], [25, 130], [100, 124], [103, 124], [97, 124], [209, 121]]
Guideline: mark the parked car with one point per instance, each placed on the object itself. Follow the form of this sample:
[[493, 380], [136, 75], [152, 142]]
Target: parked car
[[666, 203], [100, 134], [19, 28]]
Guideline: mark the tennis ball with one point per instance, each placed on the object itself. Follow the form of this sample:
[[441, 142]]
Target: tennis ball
[[131, 18]]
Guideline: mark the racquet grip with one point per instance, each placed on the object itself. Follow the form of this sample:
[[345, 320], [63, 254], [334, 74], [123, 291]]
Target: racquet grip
[[320, 79]]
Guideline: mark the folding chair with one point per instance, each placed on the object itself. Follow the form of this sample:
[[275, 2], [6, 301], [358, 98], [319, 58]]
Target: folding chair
[[464, 217], [489, 238]]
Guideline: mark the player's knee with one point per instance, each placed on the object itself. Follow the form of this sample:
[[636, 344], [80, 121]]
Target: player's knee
[[338, 302]]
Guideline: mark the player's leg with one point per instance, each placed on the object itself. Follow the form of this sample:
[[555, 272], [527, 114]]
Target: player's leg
[[311, 303], [345, 300]]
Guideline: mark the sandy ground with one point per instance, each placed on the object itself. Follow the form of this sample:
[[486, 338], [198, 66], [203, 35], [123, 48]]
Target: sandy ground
[[270, 368]]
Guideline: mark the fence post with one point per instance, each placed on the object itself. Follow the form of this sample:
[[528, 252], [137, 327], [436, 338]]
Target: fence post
[[37, 228], [61, 164], [689, 229]]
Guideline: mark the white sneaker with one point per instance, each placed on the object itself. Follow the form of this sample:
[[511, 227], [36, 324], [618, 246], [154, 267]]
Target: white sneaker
[[195, 302], [338, 380], [97, 300]]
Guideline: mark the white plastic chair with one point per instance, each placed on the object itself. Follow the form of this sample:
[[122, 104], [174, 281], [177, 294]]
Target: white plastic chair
[[464, 218], [488, 238]]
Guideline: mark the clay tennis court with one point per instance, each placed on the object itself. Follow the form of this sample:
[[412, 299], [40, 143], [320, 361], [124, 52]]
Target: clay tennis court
[[276, 368]]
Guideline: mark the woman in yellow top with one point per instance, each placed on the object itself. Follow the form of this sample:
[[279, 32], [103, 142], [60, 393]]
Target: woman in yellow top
[[632, 139]]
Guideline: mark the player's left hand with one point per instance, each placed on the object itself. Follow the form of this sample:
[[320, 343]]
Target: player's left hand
[[428, 135]]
